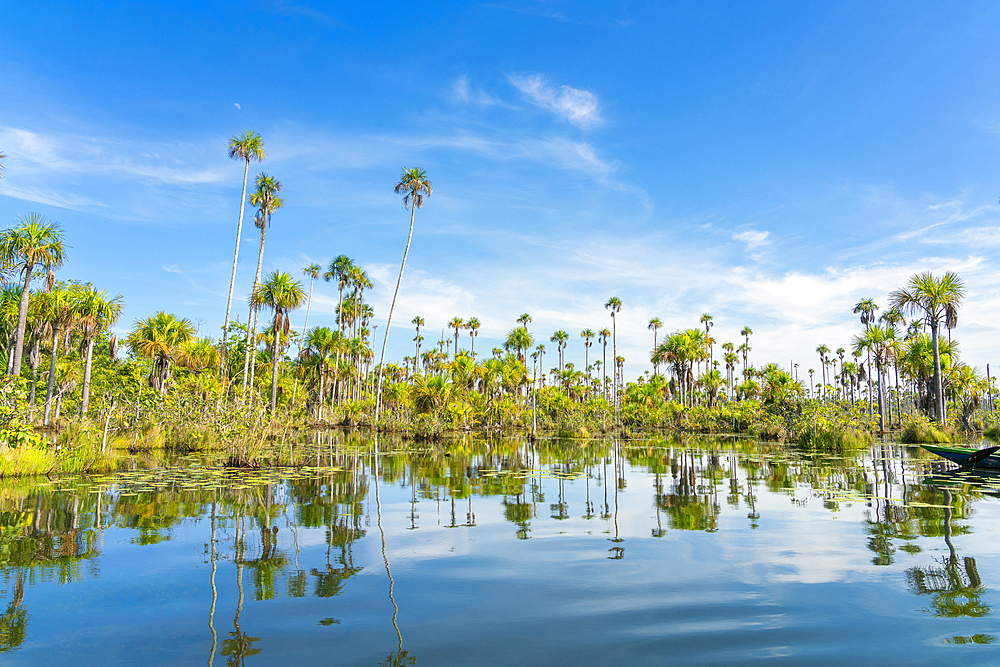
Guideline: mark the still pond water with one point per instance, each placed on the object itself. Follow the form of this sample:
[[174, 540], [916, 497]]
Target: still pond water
[[656, 552]]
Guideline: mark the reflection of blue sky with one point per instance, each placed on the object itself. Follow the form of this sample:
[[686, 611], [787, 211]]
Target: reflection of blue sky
[[771, 165]]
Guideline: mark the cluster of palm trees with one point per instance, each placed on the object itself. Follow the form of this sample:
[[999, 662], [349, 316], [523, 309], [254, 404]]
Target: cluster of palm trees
[[893, 358], [62, 319]]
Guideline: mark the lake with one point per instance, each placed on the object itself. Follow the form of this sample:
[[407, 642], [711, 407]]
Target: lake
[[500, 552]]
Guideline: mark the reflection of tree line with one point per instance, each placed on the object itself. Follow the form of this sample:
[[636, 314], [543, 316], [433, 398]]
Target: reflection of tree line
[[44, 534]]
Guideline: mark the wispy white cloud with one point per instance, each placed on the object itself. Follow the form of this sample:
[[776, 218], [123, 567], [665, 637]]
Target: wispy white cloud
[[48, 197], [33, 153], [752, 238], [578, 107]]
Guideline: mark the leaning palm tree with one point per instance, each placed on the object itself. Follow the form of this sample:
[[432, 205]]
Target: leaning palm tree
[[281, 294], [96, 313], [248, 146], [936, 300], [267, 201], [414, 186], [33, 242]]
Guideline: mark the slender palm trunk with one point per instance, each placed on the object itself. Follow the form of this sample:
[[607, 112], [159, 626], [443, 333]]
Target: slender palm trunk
[[232, 279], [252, 329], [274, 361], [305, 327], [52, 375], [939, 413], [385, 336], [86, 378], [22, 320]]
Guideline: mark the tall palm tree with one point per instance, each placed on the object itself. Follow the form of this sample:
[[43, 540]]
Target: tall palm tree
[[267, 201], [746, 332], [248, 146], [281, 293], [822, 351], [586, 335], [33, 242], [96, 313], [602, 337], [709, 322], [559, 338], [937, 301], [615, 305], [419, 322], [880, 340], [456, 323], [473, 326], [654, 325], [312, 271], [414, 186], [339, 270], [524, 319], [158, 338]]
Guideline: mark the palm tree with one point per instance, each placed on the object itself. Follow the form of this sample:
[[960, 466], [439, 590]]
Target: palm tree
[[879, 340], [937, 300], [158, 338], [59, 309], [746, 332], [524, 319], [586, 335], [33, 241], [419, 322], [313, 272], [340, 269], [559, 338], [473, 326], [248, 146], [96, 312], [456, 324], [519, 340], [602, 337], [709, 322], [281, 294], [654, 325], [267, 201], [822, 351], [414, 186], [2, 157], [615, 305]]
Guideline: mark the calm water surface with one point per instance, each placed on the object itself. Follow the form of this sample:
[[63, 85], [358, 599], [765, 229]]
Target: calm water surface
[[654, 552]]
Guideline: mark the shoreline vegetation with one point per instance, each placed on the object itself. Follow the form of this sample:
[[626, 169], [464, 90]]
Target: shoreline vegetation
[[72, 401]]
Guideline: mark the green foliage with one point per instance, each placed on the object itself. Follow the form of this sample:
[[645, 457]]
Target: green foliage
[[919, 429]]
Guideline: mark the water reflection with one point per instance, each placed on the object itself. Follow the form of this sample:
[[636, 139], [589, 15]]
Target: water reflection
[[255, 521]]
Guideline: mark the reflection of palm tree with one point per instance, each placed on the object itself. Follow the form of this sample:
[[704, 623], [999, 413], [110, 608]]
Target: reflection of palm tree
[[240, 644], [400, 655], [955, 587], [14, 620], [215, 591]]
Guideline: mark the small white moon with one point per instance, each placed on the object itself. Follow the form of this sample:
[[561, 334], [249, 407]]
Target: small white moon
[[235, 104]]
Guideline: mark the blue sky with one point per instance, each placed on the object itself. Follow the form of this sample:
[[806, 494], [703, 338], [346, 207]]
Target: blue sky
[[770, 163]]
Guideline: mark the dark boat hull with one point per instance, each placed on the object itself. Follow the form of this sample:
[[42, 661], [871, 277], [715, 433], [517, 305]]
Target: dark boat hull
[[960, 455]]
